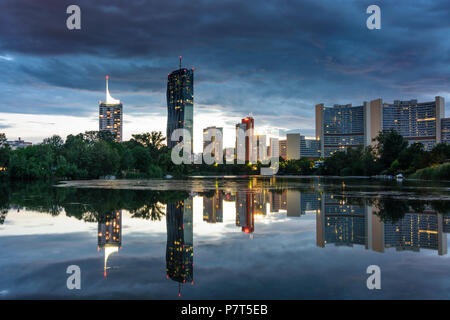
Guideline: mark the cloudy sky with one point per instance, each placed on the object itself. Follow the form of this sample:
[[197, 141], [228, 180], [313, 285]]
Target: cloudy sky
[[274, 59]]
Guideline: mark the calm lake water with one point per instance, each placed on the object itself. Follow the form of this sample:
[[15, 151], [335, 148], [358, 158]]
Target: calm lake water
[[234, 238]]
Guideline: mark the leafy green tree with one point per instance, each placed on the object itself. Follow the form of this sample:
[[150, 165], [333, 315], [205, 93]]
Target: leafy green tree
[[141, 158], [152, 140], [55, 142], [4, 151], [389, 145], [440, 153], [413, 158], [102, 160]]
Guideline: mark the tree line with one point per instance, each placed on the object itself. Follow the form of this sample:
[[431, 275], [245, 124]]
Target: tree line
[[88, 155], [94, 154], [390, 154]]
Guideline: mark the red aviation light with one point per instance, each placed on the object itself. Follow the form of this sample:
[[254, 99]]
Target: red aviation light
[[107, 77]]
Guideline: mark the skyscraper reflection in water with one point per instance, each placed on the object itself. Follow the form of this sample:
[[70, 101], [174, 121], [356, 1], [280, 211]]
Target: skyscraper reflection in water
[[212, 208], [180, 250], [245, 207], [341, 223], [110, 234]]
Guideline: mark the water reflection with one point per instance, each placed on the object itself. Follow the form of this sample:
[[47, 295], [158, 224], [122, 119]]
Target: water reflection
[[342, 218], [110, 234], [212, 207], [180, 242], [341, 223]]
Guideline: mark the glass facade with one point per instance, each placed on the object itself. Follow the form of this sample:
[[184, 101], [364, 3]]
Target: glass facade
[[345, 224], [110, 119], [180, 104], [412, 232], [309, 148], [416, 122], [343, 127], [212, 207], [445, 130], [180, 250]]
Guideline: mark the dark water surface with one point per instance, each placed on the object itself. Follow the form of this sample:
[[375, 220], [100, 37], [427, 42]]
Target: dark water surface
[[236, 238]]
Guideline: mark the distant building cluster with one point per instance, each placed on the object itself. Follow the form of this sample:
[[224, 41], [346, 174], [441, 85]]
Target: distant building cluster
[[337, 128], [345, 126], [18, 144]]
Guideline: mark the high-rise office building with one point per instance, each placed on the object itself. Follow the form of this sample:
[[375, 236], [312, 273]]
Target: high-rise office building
[[282, 145], [299, 146], [445, 130], [274, 148], [214, 141], [110, 115], [260, 147], [345, 126], [293, 146], [246, 127], [180, 104], [415, 121], [341, 127]]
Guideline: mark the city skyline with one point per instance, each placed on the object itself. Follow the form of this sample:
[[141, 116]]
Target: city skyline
[[52, 86]]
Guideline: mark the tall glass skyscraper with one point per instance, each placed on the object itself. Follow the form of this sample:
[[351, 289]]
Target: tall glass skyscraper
[[180, 104]]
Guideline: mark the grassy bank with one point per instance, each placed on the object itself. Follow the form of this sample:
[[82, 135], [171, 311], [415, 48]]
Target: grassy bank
[[439, 172]]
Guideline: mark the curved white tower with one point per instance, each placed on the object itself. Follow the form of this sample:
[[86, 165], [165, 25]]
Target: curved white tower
[[109, 99]]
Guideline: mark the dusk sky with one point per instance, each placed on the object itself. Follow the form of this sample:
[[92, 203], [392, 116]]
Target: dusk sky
[[274, 59]]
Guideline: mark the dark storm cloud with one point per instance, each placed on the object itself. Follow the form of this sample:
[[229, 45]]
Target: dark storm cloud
[[265, 57]]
